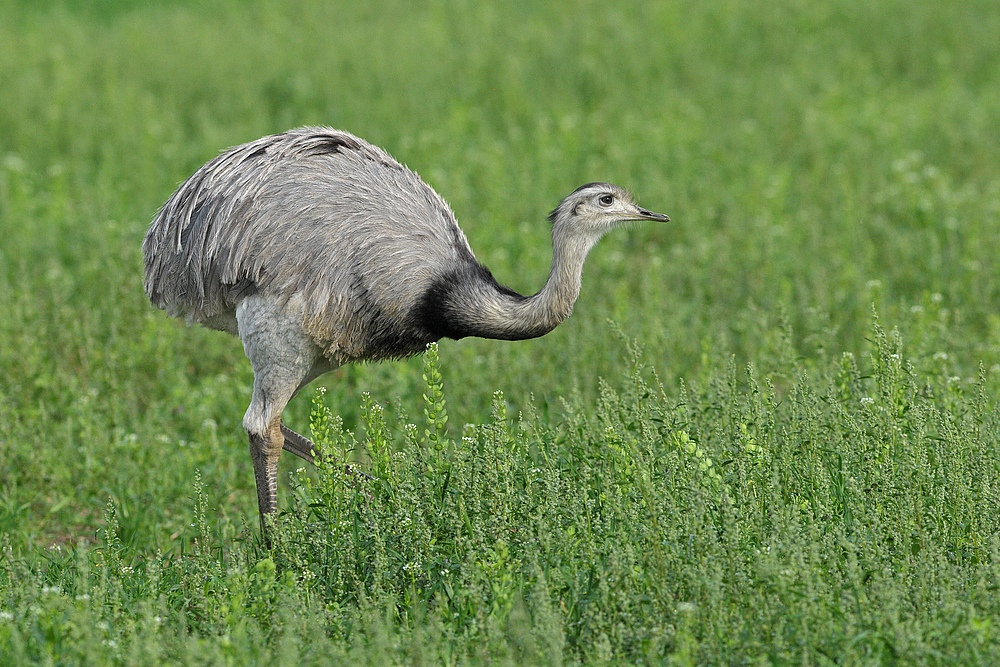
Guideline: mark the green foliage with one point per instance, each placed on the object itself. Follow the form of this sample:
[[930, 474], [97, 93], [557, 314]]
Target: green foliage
[[852, 518], [812, 481]]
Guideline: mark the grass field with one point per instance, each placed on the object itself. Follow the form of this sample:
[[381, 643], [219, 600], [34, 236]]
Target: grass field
[[769, 434]]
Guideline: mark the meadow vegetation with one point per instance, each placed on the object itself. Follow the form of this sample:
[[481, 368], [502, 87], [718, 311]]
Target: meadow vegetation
[[769, 434]]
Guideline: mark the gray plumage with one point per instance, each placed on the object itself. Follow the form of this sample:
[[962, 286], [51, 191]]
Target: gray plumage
[[317, 249]]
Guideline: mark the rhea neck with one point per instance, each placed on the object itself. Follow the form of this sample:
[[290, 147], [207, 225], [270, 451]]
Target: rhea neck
[[475, 304]]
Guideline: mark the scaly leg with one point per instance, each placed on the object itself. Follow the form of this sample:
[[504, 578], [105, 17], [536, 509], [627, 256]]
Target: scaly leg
[[299, 445], [264, 451]]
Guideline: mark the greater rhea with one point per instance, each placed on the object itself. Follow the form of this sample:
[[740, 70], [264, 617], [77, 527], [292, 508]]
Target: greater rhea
[[317, 249]]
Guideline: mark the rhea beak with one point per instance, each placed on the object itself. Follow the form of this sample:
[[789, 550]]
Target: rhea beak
[[649, 215]]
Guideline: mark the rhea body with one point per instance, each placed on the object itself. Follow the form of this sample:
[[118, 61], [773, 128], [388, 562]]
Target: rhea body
[[318, 249]]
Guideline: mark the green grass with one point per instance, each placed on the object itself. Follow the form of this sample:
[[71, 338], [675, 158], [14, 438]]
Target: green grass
[[800, 466]]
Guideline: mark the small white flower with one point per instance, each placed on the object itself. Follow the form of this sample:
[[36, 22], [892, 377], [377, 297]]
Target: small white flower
[[867, 401], [941, 356], [53, 590], [6, 616]]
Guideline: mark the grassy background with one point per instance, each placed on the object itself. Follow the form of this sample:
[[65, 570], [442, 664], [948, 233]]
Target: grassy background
[[816, 159]]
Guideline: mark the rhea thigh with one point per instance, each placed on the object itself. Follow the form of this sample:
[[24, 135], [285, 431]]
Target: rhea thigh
[[282, 356]]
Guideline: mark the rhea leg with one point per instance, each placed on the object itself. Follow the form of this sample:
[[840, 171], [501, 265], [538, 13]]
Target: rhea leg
[[274, 386], [283, 359], [298, 444], [265, 469]]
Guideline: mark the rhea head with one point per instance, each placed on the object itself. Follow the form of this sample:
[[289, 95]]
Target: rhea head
[[596, 208]]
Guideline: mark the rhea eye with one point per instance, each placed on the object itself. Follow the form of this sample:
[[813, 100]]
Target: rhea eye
[[606, 200]]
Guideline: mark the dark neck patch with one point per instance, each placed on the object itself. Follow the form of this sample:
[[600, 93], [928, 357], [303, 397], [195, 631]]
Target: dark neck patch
[[439, 312]]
